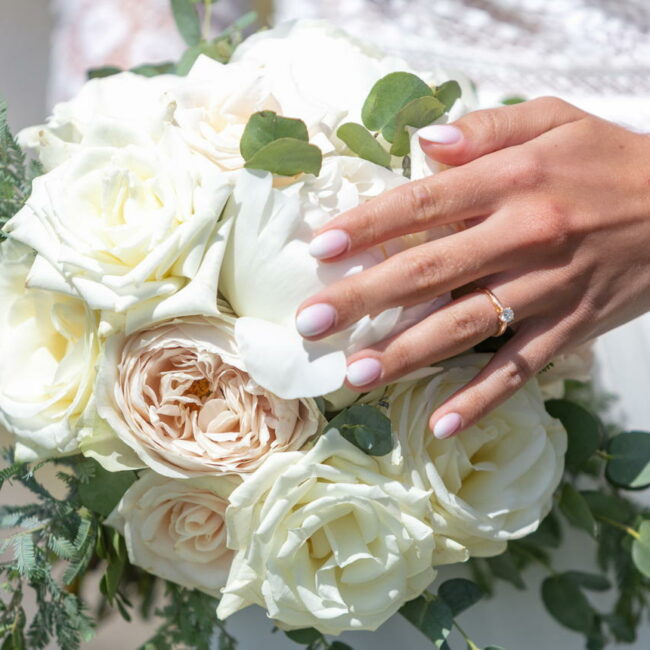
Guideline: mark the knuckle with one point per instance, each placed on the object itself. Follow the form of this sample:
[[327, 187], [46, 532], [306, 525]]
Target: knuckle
[[462, 326], [548, 226], [400, 358], [487, 124], [421, 203], [526, 171], [515, 373], [421, 270], [550, 103]]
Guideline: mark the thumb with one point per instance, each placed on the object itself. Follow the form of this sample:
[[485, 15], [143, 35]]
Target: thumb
[[482, 132]]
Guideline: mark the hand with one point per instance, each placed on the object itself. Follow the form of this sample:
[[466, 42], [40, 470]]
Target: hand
[[555, 206]]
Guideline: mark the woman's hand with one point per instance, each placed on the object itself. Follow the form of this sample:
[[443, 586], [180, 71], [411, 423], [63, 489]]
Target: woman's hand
[[554, 206]]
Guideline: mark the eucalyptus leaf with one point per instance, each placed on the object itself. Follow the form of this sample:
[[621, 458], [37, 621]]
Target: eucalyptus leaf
[[584, 431], [511, 101], [567, 604], [418, 113], [389, 95], [591, 581], [339, 645], [432, 616], [641, 549], [287, 157], [187, 21], [305, 635], [154, 69], [576, 509], [448, 93], [105, 490], [217, 49], [460, 594], [549, 532], [264, 127], [629, 465], [362, 142], [503, 566], [366, 427], [104, 71]]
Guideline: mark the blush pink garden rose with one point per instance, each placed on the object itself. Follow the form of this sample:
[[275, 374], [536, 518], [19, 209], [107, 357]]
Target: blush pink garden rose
[[178, 395], [176, 529]]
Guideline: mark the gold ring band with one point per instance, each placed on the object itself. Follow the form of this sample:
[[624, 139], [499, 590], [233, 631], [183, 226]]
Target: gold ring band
[[505, 315]]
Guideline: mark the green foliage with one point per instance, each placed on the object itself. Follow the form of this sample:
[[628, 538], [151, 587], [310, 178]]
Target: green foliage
[[641, 549], [448, 93], [104, 492], [584, 429], [16, 172], [574, 507], [431, 615], [279, 145], [363, 143], [187, 20], [418, 113], [460, 594], [366, 427], [628, 465], [567, 604]]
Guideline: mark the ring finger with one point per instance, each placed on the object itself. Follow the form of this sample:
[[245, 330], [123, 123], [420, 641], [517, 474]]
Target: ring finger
[[452, 330]]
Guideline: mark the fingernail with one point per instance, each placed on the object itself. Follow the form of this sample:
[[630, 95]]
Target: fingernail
[[329, 244], [441, 134], [447, 425], [364, 371], [315, 319]]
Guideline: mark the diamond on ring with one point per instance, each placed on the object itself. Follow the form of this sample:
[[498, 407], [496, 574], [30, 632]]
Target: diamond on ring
[[507, 316]]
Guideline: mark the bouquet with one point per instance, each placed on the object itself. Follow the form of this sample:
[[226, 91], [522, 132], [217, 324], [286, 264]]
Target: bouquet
[[148, 287]]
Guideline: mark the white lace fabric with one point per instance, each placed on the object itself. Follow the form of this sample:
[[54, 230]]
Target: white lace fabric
[[594, 53]]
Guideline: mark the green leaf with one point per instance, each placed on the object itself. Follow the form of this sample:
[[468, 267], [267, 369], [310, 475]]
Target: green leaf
[[583, 428], [339, 645], [389, 95], [447, 93], [305, 636], [432, 616], [25, 554], [361, 141], [641, 549], [548, 534], [576, 509], [366, 427], [154, 69], [418, 113], [266, 126], [608, 505], [288, 157], [218, 49], [102, 493], [592, 581], [629, 465], [503, 566], [187, 20], [509, 101], [460, 594], [567, 604], [116, 565], [11, 471], [105, 71]]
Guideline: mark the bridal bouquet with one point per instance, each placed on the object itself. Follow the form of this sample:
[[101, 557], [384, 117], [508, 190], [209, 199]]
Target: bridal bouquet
[[148, 287]]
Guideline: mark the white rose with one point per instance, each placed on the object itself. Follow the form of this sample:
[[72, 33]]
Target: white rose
[[323, 539], [495, 480], [574, 365], [178, 395], [124, 98], [215, 102], [268, 272], [48, 345], [176, 529], [130, 225], [307, 83]]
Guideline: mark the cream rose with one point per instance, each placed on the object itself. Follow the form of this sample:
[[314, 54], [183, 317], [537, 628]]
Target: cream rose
[[268, 272], [176, 529], [121, 99], [492, 482], [49, 346], [130, 225], [323, 539], [178, 395]]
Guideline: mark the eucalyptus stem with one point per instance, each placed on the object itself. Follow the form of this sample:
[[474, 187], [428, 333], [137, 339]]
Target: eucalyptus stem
[[207, 19], [465, 636], [618, 524]]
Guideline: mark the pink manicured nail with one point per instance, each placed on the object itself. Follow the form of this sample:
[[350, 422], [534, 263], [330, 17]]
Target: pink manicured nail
[[330, 244], [364, 371], [441, 134], [315, 319], [447, 425]]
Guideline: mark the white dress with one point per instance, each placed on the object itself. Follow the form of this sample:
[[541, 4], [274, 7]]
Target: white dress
[[595, 54]]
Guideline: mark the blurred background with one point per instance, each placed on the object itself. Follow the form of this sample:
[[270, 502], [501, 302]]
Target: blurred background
[[35, 72]]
